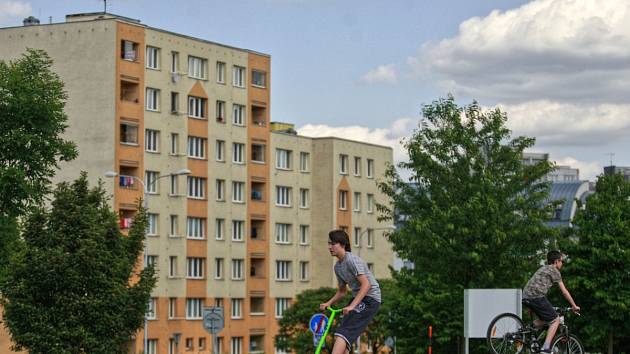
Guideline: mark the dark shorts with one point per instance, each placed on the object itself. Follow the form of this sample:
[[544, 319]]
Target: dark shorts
[[354, 323], [542, 308]]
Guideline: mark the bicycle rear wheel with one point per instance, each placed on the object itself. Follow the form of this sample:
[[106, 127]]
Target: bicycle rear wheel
[[505, 334], [564, 344]]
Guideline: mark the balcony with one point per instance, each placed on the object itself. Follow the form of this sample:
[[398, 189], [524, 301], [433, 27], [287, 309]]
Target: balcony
[[258, 230], [257, 344], [258, 191], [259, 115], [258, 153], [257, 269], [129, 92]]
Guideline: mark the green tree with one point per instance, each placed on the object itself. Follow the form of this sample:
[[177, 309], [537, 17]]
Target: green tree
[[32, 120], [295, 335], [472, 217], [598, 271], [73, 285]]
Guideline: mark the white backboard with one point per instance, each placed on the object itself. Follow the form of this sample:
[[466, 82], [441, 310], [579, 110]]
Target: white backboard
[[483, 305]]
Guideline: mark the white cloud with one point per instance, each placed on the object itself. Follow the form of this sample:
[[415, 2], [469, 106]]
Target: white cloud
[[381, 74], [569, 124], [390, 136], [589, 170], [10, 10], [565, 50]]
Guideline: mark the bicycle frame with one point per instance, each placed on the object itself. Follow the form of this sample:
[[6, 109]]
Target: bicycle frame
[[333, 312]]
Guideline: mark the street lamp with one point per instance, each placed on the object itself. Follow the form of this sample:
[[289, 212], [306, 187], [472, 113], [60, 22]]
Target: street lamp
[[145, 204], [389, 227]]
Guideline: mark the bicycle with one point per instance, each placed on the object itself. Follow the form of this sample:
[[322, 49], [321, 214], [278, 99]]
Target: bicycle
[[507, 334], [322, 340]]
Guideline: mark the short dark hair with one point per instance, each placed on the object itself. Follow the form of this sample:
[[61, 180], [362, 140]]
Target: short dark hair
[[553, 256], [341, 237]]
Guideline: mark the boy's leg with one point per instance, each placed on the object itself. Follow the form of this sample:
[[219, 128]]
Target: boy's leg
[[551, 332], [340, 346]]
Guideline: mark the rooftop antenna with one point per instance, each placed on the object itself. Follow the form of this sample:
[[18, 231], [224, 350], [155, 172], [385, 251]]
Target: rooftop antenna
[[50, 19], [611, 154], [105, 6]]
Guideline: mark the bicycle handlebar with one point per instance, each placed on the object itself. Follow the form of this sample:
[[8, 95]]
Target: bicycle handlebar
[[563, 310], [334, 310]]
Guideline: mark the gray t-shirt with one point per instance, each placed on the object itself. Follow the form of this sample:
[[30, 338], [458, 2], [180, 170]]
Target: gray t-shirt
[[347, 271], [541, 281]]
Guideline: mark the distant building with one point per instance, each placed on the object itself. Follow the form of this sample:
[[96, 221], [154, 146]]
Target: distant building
[[567, 194], [625, 171], [560, 174]]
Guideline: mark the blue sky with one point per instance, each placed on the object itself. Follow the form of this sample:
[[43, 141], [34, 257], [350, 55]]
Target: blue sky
[[362, 69]]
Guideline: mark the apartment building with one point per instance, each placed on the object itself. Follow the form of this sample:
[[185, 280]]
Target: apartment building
[[561, 173], [239, 209]]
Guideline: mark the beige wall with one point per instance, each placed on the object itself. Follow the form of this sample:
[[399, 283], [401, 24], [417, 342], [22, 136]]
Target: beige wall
[[84, 57]]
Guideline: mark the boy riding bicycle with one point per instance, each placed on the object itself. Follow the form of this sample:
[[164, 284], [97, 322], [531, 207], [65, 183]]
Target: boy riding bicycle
[[353, 272], [535, 296]]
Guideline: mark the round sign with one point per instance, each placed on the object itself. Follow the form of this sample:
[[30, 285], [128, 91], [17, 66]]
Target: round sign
[[318, 323]]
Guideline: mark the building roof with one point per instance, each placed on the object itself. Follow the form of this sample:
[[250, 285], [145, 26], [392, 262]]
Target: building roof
[[567, 193]]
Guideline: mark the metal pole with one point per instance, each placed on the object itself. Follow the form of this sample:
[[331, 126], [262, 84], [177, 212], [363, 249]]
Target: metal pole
[[215, 344]]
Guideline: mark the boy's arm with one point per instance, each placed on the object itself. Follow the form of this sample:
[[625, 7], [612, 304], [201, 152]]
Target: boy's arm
[[341, 292], [365, 287], [567, 295]]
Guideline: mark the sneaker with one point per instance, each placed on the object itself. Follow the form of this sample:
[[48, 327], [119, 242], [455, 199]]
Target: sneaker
[[545, 351]]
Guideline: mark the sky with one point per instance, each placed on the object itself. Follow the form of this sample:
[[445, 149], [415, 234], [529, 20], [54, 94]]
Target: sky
[[364, 69]]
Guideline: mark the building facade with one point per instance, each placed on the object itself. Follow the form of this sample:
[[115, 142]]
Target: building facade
[[560, 173], [245, 226]]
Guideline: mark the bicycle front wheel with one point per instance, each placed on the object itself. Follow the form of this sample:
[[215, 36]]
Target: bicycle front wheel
[[567, 345], [505, 334]]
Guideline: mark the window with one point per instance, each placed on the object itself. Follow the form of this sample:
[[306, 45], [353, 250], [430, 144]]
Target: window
[[173, 225], [151, 312], [189, 344], [304, 231], [259, 78], [218, 302], [357, 237], [153, 57], [357, 166], [304, 161], [174, 102], [237, 269], [193, 308], [220, 110], [371, 267], [196, 107], [220, 153], [258, 153], [172, 307], [283, 233], [343, 198], [196, 228], [151, 181], [238, 114], [237, 308], [196, 147], [219, 229], [202, 343], [152, 99], [220, 190], [370, 168], [356, 202], [152, 346], [282, 303], [238, 153], [152, 261], [370, 203], [283, 196], [370, 238], [283, 159], [283, 270], [152, 227], [304, 197], [220, 72], [172, 266], [197, 67], [238, 192], [174, 185], [129, 51], [194, 267], [196, 187], [238, 229], [237, 345], [303, 271], [218, 268], [343, 164], [151, 140], [128, 133], [174, 143], [174, 62], [238, 76]]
